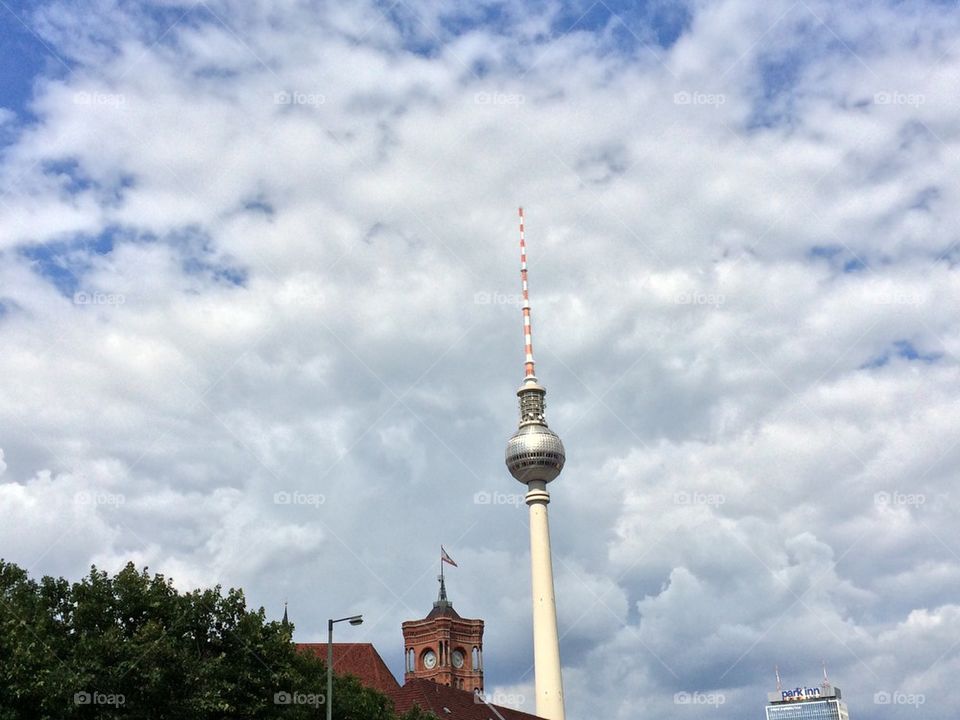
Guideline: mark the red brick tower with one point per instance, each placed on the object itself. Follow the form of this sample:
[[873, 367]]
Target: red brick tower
[[444, 647]]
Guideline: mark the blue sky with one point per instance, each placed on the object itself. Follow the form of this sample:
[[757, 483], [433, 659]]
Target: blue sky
[[23, 57]]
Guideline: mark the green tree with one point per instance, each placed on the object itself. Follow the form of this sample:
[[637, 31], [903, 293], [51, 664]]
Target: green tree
[[131, 646]]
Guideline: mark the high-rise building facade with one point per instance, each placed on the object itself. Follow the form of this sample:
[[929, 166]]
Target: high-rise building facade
[[535, 456], [807, 703]]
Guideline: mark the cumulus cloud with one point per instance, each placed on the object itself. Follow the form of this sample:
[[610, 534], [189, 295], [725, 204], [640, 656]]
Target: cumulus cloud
[[259, 326]]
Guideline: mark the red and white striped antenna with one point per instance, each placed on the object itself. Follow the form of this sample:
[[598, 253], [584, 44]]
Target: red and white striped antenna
[[527, 331]]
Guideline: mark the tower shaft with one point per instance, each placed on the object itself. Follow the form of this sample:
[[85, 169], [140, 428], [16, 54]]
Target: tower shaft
[[548, 680]]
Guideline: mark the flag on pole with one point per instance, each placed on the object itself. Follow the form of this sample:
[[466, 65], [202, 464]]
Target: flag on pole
[[445, 558]]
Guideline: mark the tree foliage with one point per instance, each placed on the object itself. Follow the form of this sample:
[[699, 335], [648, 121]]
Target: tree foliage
[[131, 646]]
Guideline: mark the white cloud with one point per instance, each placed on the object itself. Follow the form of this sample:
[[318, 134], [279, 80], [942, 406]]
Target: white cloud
[[728, 239]]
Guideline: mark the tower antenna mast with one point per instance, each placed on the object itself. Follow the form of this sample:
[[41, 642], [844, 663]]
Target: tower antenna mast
[[528, 365], [779, 684]]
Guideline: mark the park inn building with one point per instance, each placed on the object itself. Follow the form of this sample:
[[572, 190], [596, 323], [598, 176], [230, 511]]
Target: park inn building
[[807, 703]]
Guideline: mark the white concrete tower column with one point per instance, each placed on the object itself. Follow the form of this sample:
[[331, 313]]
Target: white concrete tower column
[[546, 640]]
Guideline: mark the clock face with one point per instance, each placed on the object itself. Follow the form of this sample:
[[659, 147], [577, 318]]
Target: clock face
[[457, 659], [429, 660]]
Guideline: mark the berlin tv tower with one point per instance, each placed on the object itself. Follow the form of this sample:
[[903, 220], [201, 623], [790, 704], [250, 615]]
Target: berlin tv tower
[[535, 456]]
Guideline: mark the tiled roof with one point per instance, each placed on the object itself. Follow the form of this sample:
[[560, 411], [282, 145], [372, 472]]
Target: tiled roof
[[449, 703], [360, 660]]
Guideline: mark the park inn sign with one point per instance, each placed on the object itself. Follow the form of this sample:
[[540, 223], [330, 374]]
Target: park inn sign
[[800, 693], [825, 691], [806, 703]]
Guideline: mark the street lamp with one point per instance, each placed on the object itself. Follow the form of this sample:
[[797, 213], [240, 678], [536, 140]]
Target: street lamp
[[328, 701]]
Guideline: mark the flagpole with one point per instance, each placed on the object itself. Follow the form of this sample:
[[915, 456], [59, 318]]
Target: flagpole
[[442, 587]]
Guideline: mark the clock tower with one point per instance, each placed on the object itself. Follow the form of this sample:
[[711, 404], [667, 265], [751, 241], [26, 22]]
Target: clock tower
[[444, 647]]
